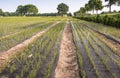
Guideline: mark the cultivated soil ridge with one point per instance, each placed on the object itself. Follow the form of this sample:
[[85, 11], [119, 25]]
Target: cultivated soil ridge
[[5, 57], [67, 66]]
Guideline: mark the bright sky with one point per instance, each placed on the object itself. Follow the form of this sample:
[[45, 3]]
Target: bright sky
[[47, 6]]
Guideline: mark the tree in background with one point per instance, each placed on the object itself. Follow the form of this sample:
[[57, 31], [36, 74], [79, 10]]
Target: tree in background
[[82, 10], [87, 7], [20, 10], [110, 3], [62, 9], [27, 9], [99, 6], [95, 5], [1, 12], [77, 13], [30, 9], [70, 14], [118, 2]]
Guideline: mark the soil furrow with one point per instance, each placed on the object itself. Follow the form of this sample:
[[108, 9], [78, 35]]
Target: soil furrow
[[67, 66]]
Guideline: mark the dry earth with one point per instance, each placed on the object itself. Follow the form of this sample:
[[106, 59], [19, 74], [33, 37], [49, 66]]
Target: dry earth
[[67, 66]]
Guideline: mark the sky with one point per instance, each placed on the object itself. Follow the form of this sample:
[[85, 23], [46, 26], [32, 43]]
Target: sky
[[47, 6]]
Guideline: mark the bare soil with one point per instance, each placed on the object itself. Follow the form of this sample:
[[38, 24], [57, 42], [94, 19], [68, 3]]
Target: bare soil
[[67, 66]]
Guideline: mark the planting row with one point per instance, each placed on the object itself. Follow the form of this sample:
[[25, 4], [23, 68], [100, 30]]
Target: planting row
[[12, 40], [39, 59], [9, 25], [112, 31], [96, 59]]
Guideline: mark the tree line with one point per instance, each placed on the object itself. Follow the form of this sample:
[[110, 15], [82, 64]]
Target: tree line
[[32, 10], [95, 5]]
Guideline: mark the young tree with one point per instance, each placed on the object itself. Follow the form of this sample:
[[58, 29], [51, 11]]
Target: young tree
[[62, 9]]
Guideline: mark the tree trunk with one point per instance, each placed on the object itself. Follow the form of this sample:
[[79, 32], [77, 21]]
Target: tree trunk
[[96, 11], [93, 9], [110, 8]]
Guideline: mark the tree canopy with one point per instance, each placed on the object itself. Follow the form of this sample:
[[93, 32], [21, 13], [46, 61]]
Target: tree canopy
[[95, 5], [62, 9], [110, 3], [91, 5], [28, 9], [1, 12]]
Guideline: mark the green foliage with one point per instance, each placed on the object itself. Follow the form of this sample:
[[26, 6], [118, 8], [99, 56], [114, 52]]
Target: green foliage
[[42, 49], [91, 5], [48, 14], [28, 9], [1, 12], [62, 9], [110, 3], [95, 5], [20, 9], [82, 10], [106, 20]]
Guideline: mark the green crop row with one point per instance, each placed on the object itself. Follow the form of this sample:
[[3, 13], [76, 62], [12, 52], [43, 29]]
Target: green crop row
[[9, 25], [93, 45], [104, 47], [13, 40], [37, 57]]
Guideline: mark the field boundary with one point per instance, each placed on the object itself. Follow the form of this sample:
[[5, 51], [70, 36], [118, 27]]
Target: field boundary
[[7, 56], [67, 66]]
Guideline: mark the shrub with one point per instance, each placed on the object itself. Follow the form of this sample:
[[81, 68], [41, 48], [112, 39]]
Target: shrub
[[106, 20]]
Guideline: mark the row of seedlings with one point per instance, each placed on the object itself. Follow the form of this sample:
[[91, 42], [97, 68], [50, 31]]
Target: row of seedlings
[[13, 40], [37, 59]]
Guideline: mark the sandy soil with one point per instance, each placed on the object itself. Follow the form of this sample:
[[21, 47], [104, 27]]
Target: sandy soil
[[67, 66]]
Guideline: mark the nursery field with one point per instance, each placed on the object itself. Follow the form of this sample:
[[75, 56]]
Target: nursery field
[[57, 47]]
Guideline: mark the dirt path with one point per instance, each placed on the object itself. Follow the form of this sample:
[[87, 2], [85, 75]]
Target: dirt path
[[5, 57], [67, 66]]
